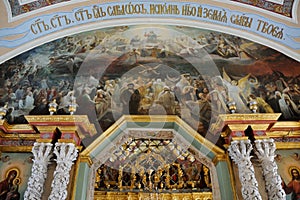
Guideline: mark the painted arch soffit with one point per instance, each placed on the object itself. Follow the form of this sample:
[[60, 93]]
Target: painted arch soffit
[[44, 28], [22, 8]]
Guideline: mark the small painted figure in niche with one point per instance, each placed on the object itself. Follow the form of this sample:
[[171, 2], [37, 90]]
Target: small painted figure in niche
[[125, 97], [294, 185], [9, 188], [134, 102], [167, 100]]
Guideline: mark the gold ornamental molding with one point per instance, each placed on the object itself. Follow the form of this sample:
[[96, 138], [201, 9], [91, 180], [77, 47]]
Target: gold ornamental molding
[[263, 125], [264, 119], [125, 119], [67, 124], [86, 159], [219, 158], [287, 145], [15, 128], [15, 148], [292, 128], [255, 117], [32, 119], [16, 137], [42, 140], [154, 195]]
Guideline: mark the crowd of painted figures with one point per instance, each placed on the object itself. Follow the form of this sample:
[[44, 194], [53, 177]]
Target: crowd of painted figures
[[136, 96], [27, 88], [17, 8]]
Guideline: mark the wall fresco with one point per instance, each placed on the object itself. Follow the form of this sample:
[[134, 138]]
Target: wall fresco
[[15, 170], [285, 9], [18, 9], [140, 70]]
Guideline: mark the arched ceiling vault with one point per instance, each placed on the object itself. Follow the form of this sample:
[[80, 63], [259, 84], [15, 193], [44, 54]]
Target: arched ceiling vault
[[29, 24]]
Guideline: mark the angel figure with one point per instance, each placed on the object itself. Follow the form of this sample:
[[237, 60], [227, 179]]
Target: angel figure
[[148, 70], [238, 90]]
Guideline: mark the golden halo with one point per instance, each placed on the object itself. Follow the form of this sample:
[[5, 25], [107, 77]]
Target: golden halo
[[291, 168], [17, 176], [17, 181]]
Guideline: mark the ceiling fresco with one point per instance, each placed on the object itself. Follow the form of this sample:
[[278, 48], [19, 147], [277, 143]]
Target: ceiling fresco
[[18, 8], [36, 30], [150, 70], [284, 7]]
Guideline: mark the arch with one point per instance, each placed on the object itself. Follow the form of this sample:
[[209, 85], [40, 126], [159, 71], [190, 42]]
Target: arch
[[130, 127]]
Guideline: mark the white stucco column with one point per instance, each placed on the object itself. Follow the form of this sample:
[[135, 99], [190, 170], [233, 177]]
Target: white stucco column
[[239, 151], [66, 153], [42, 153], [265, 151]]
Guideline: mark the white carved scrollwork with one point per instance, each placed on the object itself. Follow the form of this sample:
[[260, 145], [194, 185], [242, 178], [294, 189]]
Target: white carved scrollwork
[[66, 153], [42, 153], [265, 151], [239, 152]]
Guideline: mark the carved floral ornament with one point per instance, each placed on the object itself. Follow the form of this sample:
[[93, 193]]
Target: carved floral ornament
[[239, 152], [65, 153]]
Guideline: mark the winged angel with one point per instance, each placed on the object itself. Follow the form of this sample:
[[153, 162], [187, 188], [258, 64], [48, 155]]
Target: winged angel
[[239, 90]]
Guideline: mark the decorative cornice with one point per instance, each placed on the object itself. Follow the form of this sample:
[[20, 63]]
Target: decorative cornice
[[240, 138], [81, 121], [16, 128], [86, 159], [75, 127], [143, 195], [264, 125], [219, 158], [286, 125], [239, 122], [287, 145], [15, 148]]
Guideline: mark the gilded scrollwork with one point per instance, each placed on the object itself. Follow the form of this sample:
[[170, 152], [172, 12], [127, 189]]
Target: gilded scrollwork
[[167, 177]]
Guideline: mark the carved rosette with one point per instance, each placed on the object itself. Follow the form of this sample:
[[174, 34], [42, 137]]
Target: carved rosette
[[42, 153], [265, 151], [239, 152], [66, 153]]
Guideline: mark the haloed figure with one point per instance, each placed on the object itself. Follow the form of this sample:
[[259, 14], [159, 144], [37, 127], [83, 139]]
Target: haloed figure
[[294, 185], [9, 190]]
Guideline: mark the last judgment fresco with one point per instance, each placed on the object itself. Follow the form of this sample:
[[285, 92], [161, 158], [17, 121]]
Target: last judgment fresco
[[194, 73]]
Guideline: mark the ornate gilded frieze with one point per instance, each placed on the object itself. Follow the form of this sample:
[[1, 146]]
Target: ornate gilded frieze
[[148, 196]]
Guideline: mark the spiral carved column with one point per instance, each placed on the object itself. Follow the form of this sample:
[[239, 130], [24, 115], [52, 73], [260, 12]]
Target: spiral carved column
[[265, 151], [239, 152], [42, 153], [66, 153]]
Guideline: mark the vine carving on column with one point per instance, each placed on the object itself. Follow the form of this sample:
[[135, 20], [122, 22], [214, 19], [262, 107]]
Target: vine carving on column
[[66, 153], [265, 151], [239, 152], [42, 153]]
